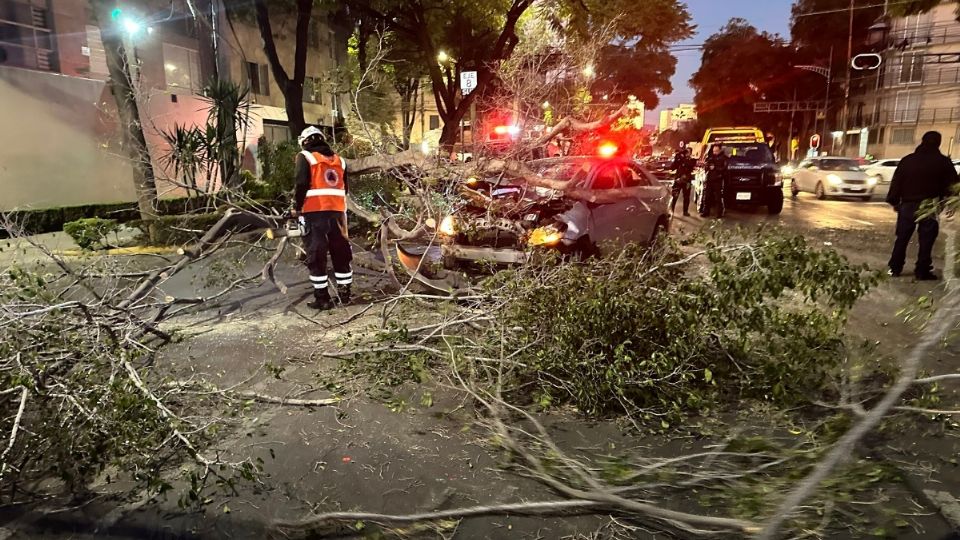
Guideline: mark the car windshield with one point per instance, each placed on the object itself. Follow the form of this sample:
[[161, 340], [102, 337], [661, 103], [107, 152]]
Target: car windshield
[[839, 165], [753, 154]]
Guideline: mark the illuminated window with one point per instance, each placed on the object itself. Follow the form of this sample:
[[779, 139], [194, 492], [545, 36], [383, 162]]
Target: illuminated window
[[181, 67]]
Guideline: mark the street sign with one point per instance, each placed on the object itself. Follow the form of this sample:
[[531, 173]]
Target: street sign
[[815, 141], [468, 81], [866, 62]]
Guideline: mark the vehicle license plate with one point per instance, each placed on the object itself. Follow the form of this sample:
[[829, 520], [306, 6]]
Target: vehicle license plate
[[857, 190], [743, 196]]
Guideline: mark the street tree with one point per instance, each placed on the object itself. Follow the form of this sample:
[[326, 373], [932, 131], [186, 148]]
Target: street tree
[[448, 38], [125, 93], [741, 66]]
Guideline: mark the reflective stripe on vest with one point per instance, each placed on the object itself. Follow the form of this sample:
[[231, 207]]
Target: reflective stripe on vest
[[327, 188]]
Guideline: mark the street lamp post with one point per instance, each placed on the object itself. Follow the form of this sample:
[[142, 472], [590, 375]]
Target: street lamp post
[[825, 72]]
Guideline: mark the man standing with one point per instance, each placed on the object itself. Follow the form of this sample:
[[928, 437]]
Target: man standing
[[923, 175], [683, 167], [321, 197], [716, 167]]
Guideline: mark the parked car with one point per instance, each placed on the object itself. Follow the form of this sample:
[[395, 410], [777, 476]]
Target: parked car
[[753, 177], [883, 170], [616, 199], [833, 177]]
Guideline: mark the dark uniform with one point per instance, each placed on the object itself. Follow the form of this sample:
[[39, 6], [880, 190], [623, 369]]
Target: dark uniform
[[923, 175], [320, 196], [683, 165], [716, 167]]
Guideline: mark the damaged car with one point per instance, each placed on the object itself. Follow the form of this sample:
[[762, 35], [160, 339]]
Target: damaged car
[[504, 221]]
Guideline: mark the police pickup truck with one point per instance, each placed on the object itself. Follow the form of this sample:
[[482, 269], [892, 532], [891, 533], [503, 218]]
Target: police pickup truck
[[753, 177]]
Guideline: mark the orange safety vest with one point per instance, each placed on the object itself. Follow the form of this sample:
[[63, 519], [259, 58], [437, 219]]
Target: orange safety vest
[[327, 191]]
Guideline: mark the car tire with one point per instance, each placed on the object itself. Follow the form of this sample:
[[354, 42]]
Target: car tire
[[775, 207], [820, 192], [659, 229], [584, 248], [794, 190]]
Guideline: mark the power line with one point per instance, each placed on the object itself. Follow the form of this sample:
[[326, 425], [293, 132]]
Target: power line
[[847, 9]]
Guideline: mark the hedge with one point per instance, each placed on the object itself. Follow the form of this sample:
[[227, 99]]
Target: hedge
[[52, 219]]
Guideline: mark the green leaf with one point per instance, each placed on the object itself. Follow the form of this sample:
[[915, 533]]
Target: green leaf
[[707, 375]]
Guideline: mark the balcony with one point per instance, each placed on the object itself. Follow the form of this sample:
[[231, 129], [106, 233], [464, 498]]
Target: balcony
[[946, 115]]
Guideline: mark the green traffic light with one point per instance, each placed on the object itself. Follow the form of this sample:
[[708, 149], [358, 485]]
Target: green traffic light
[[115, 14]]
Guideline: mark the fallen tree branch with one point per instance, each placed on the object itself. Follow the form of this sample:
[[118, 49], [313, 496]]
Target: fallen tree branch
[[13, 431], [942, 322], [518, 509]]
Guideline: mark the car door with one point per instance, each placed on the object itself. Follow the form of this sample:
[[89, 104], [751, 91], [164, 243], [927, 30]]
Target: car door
[[613, 220], [809, 175], [800, 173]]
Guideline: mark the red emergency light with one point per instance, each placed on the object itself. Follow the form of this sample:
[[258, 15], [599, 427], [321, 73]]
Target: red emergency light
[[506, 130], [607, 149]]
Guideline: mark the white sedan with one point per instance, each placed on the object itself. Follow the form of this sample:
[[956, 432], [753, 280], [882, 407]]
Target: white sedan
[[833, 177], [883, 170]]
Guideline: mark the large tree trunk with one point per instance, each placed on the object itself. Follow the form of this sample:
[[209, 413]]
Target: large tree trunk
[[409, 92], [292, 88], [121, 85]]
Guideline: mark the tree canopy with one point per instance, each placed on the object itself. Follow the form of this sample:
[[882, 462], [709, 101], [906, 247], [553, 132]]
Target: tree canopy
[[741, 66]]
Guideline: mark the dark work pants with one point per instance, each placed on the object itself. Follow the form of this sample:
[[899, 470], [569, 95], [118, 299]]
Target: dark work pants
[[681, 186], [927, 229], [712, 196], [324, 234]]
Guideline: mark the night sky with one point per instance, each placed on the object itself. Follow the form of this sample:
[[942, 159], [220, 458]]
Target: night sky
[[709, 16]]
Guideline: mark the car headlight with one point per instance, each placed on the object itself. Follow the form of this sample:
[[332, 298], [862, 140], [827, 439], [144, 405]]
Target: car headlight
[[834, 179], [545, 236], [872, 181], [448, 226], [786, 170]]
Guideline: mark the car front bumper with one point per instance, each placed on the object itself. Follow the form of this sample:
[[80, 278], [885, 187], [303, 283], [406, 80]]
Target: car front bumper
[[460, 252]]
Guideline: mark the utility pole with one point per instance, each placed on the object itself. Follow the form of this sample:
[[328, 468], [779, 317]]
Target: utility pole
[[846, 91], [790, 129]]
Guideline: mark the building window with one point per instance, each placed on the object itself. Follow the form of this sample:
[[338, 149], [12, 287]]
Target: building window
[[26, 39], [258, 78], [434, 121], [911, 69], [907, 107], [902, 135], [181, 66], [312, 90], [275, 132]]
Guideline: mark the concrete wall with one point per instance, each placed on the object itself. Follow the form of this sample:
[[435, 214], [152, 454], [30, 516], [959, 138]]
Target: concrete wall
[[55, 145]]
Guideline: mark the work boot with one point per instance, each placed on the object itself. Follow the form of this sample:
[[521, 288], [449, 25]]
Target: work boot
[[321, 300], [926, 276], [344, 292]]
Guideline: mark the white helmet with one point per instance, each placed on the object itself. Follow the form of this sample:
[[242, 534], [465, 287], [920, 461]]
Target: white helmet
[[310, 131]]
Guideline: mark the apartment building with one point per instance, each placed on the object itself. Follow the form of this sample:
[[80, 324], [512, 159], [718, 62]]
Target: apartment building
[[917, 86], [58, 110]]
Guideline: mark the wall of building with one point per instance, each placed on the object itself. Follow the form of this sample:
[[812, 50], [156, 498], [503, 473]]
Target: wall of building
[[66, 148], [913, 98]]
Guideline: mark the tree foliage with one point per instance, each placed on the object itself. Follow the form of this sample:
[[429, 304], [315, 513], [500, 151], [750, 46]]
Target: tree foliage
[[481, 35], [741, 66]]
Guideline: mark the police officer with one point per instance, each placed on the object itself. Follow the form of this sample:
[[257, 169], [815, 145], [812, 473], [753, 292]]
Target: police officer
[[716, 168], [321, 200], [682, 166]]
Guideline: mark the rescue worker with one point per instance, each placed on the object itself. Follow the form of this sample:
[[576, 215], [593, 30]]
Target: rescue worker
[[923, 175], [321, 202], [683, 165], [716, 168]]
